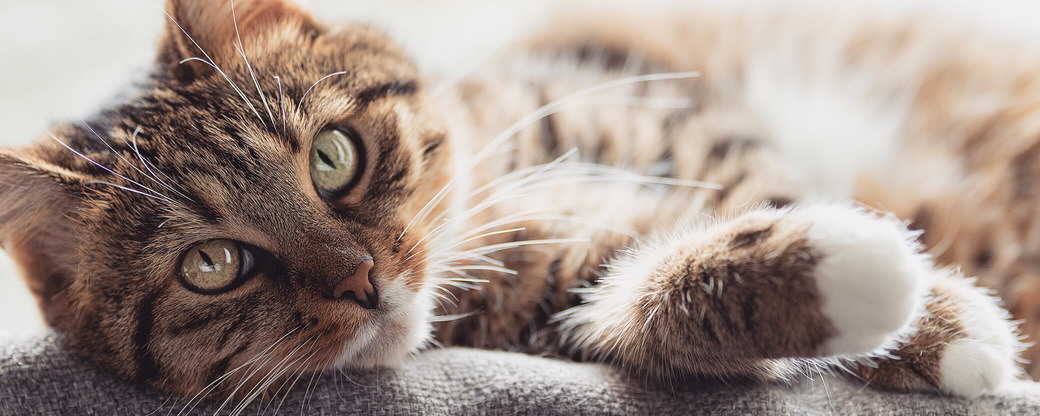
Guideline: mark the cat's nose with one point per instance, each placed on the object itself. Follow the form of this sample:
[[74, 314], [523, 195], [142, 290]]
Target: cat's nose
[[358, 286]]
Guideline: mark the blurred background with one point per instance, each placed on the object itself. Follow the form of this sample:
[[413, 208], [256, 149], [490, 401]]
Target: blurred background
[[60, 58]]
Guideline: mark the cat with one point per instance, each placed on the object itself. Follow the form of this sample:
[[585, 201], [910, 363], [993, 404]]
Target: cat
[[670, 194]]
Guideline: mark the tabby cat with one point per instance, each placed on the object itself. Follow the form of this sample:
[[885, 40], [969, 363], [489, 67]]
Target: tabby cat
[[670, 194]]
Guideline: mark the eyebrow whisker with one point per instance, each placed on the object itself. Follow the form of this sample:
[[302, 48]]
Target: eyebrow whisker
[[152, 193], [209, 61], [281, 101], [144, 162], [299, 106], [241, 50], [119, 155]]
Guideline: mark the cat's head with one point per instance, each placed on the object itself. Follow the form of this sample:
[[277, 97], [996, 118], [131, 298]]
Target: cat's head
[[248, 207]]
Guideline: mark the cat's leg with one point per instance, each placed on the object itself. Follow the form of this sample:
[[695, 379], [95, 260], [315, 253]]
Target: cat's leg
[[962, 344], [718, 299], [740, 297]]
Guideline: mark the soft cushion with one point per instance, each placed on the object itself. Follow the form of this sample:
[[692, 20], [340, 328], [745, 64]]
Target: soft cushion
[[39, 376]]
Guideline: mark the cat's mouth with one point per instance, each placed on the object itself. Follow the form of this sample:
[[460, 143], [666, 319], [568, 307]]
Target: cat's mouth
[[398, 327]]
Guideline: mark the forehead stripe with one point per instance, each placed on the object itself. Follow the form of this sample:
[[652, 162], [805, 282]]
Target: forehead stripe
[[376, 92]]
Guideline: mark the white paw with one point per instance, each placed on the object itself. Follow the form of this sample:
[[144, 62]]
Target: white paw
[[985, 358], [870, 276]]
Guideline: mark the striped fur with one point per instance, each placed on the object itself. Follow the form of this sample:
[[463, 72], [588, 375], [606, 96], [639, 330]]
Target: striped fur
[[689, 233]]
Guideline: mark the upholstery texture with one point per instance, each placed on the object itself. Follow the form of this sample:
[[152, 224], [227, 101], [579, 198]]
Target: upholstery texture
[[39, 376]]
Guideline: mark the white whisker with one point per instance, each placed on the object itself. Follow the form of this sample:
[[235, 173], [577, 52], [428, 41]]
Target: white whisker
[[299, 106], [120, 156], [209, 61], [151, 192], [447, 268], [233, 85], [510, 219], [453, 317], [464, 255], [507, 220], [259, 361], [485, 204], [256, 82], [551, 107], [144, 163], [112, 149], [281, 101], [531, 172], [487, 234], [429, 206], [494, 248], [449, 254], [442, 297], [443, 226], [561, 174], [114, 185], [299, 374], [242, 51], [213, 384], [579, 172], [272, 375], [307, 392]]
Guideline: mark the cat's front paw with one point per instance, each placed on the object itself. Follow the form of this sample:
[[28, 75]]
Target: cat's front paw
[[870, 277], [982, 358]]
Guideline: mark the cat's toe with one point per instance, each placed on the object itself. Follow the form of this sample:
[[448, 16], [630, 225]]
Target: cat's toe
[[983, 359], [870, 277]]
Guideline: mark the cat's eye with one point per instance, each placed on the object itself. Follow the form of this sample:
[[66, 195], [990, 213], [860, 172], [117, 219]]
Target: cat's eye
[[215, 265], [334, 161]]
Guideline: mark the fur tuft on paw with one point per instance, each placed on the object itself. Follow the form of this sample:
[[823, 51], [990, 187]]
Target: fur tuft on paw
[[871, 277], [983, 358]]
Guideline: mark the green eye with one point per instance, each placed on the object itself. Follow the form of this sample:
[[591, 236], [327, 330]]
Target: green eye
[[334, 161], [215, 265]]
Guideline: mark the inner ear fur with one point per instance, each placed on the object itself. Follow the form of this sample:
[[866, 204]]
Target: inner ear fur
[[201, 28], [38, 204]]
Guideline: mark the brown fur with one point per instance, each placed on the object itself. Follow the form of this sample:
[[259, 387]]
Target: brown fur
[[122, 303], [735, 297], [917, 369]]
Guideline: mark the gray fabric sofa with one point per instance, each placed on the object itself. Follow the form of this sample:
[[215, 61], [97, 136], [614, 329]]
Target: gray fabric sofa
[[39, 376]]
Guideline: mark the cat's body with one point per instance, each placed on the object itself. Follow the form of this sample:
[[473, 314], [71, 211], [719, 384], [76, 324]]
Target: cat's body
[[778, 114], [700, 215]]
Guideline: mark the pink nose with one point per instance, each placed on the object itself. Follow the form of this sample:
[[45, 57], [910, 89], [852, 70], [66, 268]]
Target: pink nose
[[360, 286]]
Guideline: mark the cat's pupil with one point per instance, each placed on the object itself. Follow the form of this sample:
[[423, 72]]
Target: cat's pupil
[[326, 159], [209, 266]]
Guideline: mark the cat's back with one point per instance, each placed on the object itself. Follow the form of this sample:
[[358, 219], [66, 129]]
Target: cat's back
[[844, 94]]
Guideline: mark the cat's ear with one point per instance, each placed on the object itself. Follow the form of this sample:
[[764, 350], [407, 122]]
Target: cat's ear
[[38, 202], [210, 29]]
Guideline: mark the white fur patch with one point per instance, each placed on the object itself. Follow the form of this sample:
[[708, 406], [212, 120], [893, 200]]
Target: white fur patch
[[830, 120], [871, 277], [399, 327], [609, 312], [985, 359]]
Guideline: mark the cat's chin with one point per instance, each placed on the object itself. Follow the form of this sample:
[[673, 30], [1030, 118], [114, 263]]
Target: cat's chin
[[400, 328]]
